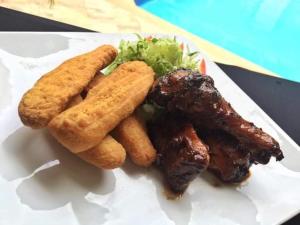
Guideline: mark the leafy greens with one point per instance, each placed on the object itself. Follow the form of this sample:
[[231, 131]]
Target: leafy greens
[[162, 54]]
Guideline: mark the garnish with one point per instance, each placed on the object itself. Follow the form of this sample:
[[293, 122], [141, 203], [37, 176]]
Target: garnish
[[164, 55]]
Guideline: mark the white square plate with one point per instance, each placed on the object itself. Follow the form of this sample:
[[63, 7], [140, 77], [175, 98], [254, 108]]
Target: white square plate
[[42, 183]]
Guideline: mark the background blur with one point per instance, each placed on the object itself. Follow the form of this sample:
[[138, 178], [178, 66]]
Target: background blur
[[263, 31], [259, 35]]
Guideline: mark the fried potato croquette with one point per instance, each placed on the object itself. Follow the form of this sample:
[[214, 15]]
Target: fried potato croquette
[[108, 103], [96, 80], [74, 101], [108, 154], [132, 134], [52, 92]]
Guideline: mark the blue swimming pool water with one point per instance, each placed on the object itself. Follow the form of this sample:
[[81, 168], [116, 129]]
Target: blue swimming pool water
[[266, 32]]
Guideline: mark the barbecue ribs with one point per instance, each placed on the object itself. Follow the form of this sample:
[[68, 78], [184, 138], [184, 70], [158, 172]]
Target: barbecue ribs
[[195, 97], [229, 160], [181, 154]]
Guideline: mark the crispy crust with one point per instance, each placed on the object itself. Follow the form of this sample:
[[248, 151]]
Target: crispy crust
[[52, 92], [74, 101], [108, 154], [96, 80], [132, 134], [109, 102]]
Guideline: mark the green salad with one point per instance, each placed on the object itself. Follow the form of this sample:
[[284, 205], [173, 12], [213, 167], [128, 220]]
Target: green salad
[[162, 54]]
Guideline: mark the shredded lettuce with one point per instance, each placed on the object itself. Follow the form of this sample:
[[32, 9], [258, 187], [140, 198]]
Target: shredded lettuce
[[162, 54]]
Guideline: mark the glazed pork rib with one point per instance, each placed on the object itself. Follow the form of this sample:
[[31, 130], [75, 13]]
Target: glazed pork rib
[[194, 96], [181, 154], [229, 160]]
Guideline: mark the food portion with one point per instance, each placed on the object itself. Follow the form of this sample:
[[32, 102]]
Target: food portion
[[238, 144], [181, 154], [108, 154], [229, 160], [163, 55], [52, 92], [96, 80], [108, 103], [74, 101], [101, 118], [132, 134], [109, 99], [195, 96]]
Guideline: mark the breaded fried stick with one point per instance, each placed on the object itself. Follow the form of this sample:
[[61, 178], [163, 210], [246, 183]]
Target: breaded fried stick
[[108, 103], [132, 134], [52, 92], [109, 153], [96, 80]]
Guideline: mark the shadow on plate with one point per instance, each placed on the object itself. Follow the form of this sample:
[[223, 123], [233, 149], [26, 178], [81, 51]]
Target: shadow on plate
[[177, 210], [207, 199], [52, 176], [5, 87], [25, 45]]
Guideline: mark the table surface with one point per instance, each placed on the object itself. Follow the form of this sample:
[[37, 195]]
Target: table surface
[[279, 98]]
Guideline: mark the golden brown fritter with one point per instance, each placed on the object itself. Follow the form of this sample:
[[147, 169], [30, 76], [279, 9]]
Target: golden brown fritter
[[132, 134], [108, 154], [52, 92], [96, 80], [108, 103]]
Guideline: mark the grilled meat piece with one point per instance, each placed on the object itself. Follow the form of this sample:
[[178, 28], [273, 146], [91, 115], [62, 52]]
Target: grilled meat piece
[[196, 97], [229, 160], [181, 154]]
